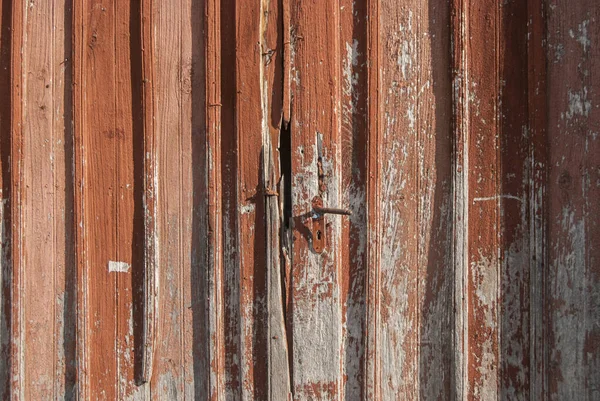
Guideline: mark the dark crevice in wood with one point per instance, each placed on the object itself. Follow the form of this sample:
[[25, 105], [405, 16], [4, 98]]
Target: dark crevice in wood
[[138, 271], [199, 231], [70, 301], [285, 167], [285, 162]]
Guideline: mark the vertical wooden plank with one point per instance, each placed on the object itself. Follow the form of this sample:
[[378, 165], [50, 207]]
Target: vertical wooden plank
[[434, 246], [354, 64], [131, 156], [194, 118], [14, 160], [372, 376], [98, 284], [142, 70], [244, 217], [182, 365], [316, 315], [315, 134], [538, 200], [277, 350], [252, 91], [460, 156], [399, 200], [484, 169], [573, 187], [172, 73], [46, 204], [105, 165], [83, 381], [273, 184], [36, 192], [5, 182], [215, 386], [515, 179]]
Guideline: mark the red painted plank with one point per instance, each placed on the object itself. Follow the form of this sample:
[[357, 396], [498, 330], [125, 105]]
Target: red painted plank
[[573, 280], [315, 316]]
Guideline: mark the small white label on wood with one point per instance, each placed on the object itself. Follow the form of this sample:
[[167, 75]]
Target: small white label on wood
[[119, 267]]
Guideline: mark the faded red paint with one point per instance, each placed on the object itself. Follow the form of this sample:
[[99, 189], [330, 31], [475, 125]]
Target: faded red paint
[[158, 166]]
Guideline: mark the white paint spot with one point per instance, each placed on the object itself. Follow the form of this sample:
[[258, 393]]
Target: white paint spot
[[247, 209], [118, 267], [496, 197], [404, 59], [578, 104], [582, 35]]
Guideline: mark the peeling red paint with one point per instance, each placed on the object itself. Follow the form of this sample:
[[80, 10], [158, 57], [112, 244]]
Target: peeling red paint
[[158, 161]]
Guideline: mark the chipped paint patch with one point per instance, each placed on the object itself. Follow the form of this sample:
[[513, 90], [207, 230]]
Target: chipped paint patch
[[118, 267], [247, 209], [581, 35], [579, 105]]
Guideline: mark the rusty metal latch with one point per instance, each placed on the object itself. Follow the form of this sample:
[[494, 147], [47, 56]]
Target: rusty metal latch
[[319, 239]]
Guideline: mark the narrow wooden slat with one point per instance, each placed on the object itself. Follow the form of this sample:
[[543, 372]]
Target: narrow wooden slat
[[131, 156], [5, 214], [15, 163], [538, 200], [274, 105], [278, 364], [151, 183], [460, 156], [515, 179], [434, 248], [215, 350], [286, 53], [193, 178], [245, 217], [80, 218], [354, 64], [372, 376]]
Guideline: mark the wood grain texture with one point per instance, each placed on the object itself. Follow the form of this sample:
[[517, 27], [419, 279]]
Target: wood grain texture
[[5, 214], [482, 289], [572, 308], [46, 205], [143, 92], [172, 85], [213, 282], [158, 160], [107, 130], [316, 311]]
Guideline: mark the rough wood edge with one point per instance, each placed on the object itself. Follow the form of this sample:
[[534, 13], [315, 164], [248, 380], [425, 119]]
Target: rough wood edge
[[538, 214], [279, 387], [460, 161], [372, 296], [151, 240], [214, 282], [79, 157]]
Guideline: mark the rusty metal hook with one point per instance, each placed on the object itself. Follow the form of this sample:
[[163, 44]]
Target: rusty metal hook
[[318, 222]]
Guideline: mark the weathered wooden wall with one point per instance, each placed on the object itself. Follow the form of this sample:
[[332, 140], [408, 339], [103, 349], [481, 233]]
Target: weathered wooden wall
[[158, 163]]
